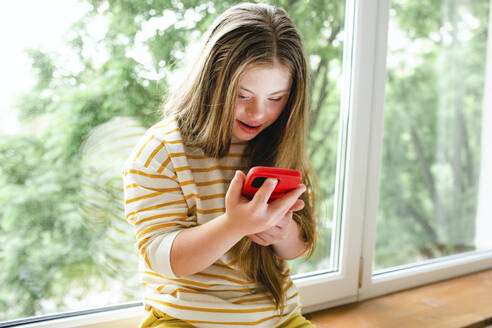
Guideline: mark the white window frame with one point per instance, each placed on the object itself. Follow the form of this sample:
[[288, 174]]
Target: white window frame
[[359, 157], [409, 276]]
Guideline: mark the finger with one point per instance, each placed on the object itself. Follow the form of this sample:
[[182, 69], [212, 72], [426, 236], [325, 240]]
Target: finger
[[298, 205], [263, 194], [286, 202], [285, 221], [257, 239], [235, 188], [275, 234], [266, 236]]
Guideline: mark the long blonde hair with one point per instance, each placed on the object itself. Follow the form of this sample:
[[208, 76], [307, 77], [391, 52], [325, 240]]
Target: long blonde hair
[[246, 35]]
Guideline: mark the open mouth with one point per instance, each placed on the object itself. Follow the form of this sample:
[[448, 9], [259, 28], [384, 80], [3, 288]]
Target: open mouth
[[252, 129], [250, 126]]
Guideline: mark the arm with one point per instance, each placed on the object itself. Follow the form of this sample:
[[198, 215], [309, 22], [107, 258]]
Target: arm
[[242, 217], [189, 256], [156, 207], [170, 242], [197, 248]]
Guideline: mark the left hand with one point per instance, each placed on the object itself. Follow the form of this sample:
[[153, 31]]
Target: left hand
[[280, 231]]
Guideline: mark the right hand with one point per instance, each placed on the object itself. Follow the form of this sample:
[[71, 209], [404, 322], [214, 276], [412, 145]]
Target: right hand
[[257, 215]]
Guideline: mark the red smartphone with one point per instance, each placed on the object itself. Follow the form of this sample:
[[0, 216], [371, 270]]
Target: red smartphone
[[287, 180]]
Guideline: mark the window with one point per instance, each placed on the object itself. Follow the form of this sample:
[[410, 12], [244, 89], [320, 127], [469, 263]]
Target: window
[[427, 201], [432, 147], [396, 139]]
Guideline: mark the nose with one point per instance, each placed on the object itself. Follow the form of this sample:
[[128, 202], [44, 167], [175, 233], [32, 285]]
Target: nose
[[255, 110]]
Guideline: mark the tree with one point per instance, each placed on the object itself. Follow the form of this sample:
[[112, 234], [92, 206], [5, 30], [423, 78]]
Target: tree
[[431, 153], [51, 232]]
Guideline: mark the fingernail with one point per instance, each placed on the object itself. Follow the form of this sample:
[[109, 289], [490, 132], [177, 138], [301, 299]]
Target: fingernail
[[273, 182]]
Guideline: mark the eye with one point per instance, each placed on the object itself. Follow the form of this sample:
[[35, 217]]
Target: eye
[[275, 99], [242, 97]]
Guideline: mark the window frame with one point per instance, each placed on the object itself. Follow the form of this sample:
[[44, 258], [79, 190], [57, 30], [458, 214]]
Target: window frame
[[358, 174], [123, 315], [408, 276]]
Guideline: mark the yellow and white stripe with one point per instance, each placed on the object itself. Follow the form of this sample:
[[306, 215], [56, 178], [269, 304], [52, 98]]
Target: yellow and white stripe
[[168, 187]]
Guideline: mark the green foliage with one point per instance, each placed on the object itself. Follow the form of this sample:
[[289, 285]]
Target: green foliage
[[51, 241], [431, 153], [40, 227]]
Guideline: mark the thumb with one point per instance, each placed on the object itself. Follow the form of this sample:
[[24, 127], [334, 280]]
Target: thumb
[[236, 187]]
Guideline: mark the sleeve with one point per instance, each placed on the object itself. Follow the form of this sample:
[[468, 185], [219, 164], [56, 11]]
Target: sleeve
[[156, 207]]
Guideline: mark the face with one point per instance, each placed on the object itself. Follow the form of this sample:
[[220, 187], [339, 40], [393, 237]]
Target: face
[[263, 92]]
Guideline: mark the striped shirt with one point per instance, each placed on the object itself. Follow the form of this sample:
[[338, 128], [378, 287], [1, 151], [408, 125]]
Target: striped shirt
[[169, 187]]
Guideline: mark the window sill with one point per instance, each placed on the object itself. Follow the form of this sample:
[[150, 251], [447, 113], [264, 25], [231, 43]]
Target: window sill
[[458, 302], [128, 317]]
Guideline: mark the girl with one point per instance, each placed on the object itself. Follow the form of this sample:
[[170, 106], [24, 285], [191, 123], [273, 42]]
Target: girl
[[210, 257]]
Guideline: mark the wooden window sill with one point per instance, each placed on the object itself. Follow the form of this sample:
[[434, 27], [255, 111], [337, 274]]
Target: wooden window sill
[[459, 302]]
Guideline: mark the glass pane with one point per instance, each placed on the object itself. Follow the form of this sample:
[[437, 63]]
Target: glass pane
[[325, 59], [68, 124], [433, 146]]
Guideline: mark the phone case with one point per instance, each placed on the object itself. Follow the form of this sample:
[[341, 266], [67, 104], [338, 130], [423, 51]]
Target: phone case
[[287, 180]]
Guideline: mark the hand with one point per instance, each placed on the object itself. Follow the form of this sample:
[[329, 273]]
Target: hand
[[253, 216], [280, 231]]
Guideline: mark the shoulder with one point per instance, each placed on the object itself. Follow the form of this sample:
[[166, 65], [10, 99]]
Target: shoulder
[[168, 126], [157, 145]]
